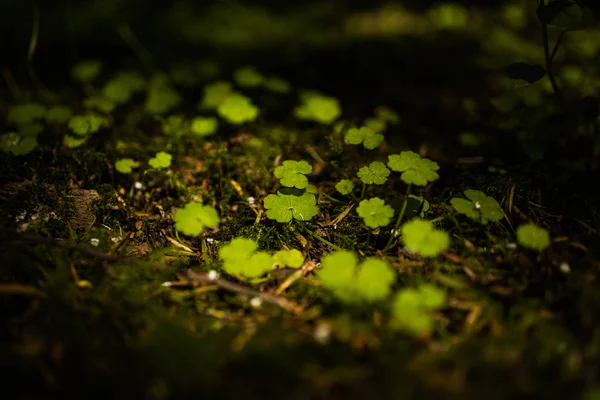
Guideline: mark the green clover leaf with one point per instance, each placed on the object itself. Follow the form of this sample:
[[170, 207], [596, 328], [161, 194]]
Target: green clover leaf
[[292, 173], [368, 282], [100, 103], [86, 71], [533, 237], [285, 207], [124, 165], [277, 85], [14, 143], [319, 108], [387, 115], [237, 109], [26, 113], [375, 212], [365, 135], [420, 236], [248, 77], [86, 124], [479, 206], [378, 125], [289, 258], [413, 308], [174, 125], [215, 93], [194, 217], [344, 186], [415, 169], [162, 97], [122, 87], [161, 160], [204, 126], [74, 141], [241, 258], [58, 115], [376, 173]]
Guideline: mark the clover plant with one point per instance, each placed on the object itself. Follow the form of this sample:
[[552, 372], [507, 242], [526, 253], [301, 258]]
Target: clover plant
[[285, 207], [353, 283], [123, 86], [377, 125], [319, 108], [292, 258], [194, 217], [240, 257], [237, 109], [365, 135], [375, 213], [87, 124], [479, 207], [533, 237], [204, 126], [16, 144], [293, 173], [124, 165], [161, 160], [25, 113], [214, 94], [248, 77], [162, 97], [416, 206], [344, 186], [420, 236], [415, 169], [375, 173], [413, 308]]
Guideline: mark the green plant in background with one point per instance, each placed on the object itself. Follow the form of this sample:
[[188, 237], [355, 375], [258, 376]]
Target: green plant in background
[[377, 125], [289, 258], [194, 217], [479, 207], [204, 126], [344, 186], [124, 165], [161, 97], [86, 71], [375, 213], [353, 283], [16, 144], [237, 109], [293, 173], [533, 237], [87, 124], [375, 173], [387, 114], [161, 160], [100, 103], [58, 115], [415, 169], [277, 85], [22, 114], [317, 107], [413, 309], [240, 257], [214, 94], [248, 77], [123, 86], [285, 207], [420, 236], [365, 135]]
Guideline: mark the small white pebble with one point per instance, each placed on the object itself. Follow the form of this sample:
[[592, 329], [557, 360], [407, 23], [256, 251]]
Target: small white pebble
[[115, 239], [318, 265], [213, 275], [210, 240], [166, 284], [138, 186], [251, 200], [94, 241], [511, 246], [477, 205], [256, 302], [565, 268], [322, 332]]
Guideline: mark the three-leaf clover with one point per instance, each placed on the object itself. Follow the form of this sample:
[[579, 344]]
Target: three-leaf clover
[[413, 308], [368, 282], [241, 258], [319, 108], [124, 165], [285, 207], [194, 217], [289, 258], [421, 236], [344, 186], [237, 109], [375, 212], [533, 237], [204, 126], [376, 173], [87, 124], [26, 113], [293, 173], [479, 206], [415, 169], [365, 135], [248, 77], [161, 160]]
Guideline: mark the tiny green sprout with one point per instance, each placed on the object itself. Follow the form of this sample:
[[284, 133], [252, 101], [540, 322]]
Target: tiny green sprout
[[387, 114], [121, 88], [319, 108], [375, 212], [204, 126], [194, 217], [365, 135], [344, 186], [413, 308], [352, 283], [415, 169], [86, 71], [533, 237], [214, 94], [26, 113], [289, 258], [241, 258], [378, 125], [58, 115], [293, 173], [16, 144], [100, 103], [87, 124], [374, 173], [277, 85], [161, 160], [420, 236], [238, 109], [248, 77], [124, 165], [285, 207], [162, 97], [479, 207]]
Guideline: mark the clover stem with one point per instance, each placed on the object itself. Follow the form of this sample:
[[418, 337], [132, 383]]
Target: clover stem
[[329, 197], [548, 61], [321, 239], [397, 224], [438, 219], [362, 192]]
